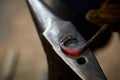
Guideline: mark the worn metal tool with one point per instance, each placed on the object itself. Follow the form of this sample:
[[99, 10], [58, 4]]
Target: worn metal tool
[[65, 41]]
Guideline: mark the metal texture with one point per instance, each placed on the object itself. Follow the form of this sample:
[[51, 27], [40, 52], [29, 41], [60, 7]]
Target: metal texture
[[55, 30]]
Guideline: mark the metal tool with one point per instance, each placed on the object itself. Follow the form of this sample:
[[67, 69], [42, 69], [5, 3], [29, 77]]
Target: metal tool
[[62, 35]]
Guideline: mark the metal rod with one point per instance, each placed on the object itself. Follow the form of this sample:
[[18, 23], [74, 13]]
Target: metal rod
[[94, 38]]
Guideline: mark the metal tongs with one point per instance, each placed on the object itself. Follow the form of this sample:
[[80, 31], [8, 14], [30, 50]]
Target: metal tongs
[[66, 41]]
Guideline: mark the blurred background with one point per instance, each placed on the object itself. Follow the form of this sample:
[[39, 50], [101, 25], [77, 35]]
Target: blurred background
[[18, 38]]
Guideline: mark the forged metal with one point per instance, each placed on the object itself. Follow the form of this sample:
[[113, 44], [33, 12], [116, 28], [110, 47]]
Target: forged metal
[[54, 31]]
